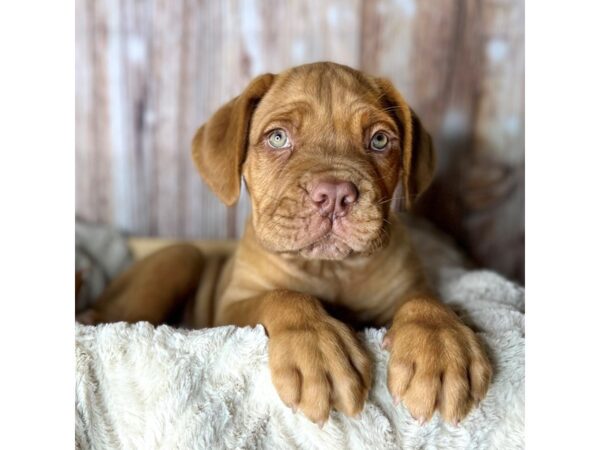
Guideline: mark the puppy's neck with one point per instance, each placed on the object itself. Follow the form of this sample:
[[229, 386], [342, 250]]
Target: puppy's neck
[[369, 285]]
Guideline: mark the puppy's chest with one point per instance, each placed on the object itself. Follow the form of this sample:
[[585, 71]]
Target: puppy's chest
[[354, 294], [367, 289]]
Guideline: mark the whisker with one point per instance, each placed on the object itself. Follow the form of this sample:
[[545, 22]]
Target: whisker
[[383, 202]]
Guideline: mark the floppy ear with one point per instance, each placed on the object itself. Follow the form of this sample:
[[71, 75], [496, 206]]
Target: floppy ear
[[219, 146], [418, 156]]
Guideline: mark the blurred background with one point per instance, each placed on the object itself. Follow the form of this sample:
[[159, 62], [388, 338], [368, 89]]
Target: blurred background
[[149, 72]]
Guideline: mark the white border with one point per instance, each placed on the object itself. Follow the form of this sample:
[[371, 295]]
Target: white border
[[37, 224], [562, 223], [37, 205]]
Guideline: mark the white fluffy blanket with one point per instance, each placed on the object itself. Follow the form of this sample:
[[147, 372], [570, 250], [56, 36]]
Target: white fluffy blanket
[[140, 387]]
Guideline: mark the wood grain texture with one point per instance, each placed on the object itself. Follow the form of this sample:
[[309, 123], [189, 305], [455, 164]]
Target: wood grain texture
[[148, 73]]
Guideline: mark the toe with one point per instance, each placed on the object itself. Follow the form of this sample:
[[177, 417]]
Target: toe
[[288, 383], [455, 400], [420, 398], [315, 401], [400, 374]]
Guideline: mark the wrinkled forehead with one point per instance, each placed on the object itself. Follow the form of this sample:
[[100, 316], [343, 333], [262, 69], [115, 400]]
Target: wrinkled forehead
[[326, 84], [324, 93]]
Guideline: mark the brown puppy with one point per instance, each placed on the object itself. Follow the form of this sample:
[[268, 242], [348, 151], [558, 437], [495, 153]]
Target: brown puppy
[[152, 290], [322, 148]]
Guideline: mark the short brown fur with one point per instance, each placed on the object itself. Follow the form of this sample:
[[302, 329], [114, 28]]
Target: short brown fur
[[293, 264]]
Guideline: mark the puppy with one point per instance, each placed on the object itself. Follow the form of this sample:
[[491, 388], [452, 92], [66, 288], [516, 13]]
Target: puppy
[[322, 148]]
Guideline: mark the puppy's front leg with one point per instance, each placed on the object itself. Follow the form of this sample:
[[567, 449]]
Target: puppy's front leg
[[316, 361], [435, 361]]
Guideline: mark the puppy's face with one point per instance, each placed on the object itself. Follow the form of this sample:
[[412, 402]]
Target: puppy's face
[[321, 148], [322, 164]]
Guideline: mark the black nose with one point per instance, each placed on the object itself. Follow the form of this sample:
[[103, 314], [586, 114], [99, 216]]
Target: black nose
[[334, 196]]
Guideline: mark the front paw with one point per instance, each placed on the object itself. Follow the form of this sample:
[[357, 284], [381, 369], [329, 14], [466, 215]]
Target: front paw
[[320, 366], [436, 362]]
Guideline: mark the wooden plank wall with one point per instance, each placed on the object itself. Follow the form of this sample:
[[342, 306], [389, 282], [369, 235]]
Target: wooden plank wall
[[148, 73]]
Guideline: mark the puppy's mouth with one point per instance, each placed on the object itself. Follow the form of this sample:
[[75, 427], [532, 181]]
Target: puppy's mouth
[[332, 239], [302, 229], [330, 246], [321, 238]]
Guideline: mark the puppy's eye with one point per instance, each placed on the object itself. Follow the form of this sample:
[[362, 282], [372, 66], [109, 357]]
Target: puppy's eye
[[279, 139], [379, 141]]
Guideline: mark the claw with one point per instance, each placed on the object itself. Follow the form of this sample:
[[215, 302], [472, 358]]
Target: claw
[[396, 400], [421, 421], [386, 343]]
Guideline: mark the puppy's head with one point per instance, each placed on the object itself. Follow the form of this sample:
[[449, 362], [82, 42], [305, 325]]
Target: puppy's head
[[321, 148]]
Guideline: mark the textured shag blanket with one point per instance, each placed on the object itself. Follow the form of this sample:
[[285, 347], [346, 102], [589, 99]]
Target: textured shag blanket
[[141, 387]]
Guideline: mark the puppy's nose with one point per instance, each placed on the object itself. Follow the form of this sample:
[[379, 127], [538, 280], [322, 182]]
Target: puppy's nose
[[334, 196]]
